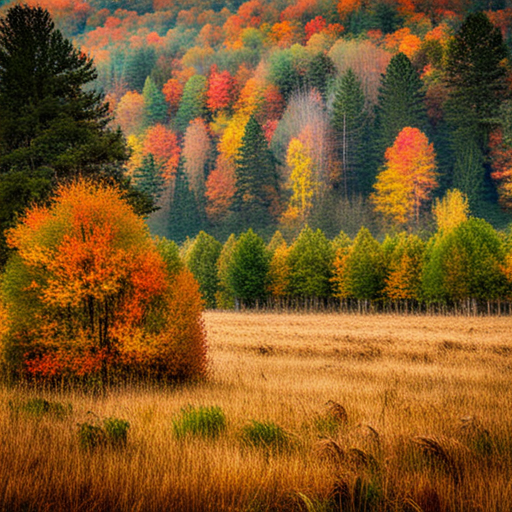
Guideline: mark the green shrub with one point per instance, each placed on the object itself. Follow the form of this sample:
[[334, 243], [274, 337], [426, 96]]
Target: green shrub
[[116, 431], [113, 432], [203, 421], [266, 435], [38, 407]]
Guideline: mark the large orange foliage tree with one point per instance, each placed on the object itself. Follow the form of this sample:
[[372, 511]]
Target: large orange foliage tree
[[408, 177], [88, 292]]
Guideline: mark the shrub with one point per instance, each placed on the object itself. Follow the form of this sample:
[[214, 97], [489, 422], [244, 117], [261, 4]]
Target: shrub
[[89, 294], [38, 407], [113, 432], [265, 435], [203, 421]]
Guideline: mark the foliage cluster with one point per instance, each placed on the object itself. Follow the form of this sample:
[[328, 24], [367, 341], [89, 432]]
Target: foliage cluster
[[89, 295]]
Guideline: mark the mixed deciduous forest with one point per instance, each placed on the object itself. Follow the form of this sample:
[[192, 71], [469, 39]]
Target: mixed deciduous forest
[[277, 114]]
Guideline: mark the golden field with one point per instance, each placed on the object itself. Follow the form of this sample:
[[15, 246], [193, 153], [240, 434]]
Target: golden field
[[428, 423]]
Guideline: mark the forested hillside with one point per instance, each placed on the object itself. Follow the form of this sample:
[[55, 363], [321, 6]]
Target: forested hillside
[[277, 114]]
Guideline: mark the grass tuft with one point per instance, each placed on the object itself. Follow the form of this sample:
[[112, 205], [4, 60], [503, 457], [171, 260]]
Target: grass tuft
[[200, 421]]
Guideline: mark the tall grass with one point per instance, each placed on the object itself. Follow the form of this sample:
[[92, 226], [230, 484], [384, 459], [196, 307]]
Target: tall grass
[[382, 413]]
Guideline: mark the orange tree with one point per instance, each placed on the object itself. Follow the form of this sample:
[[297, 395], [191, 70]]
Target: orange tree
[[407, 178], [88, 293]]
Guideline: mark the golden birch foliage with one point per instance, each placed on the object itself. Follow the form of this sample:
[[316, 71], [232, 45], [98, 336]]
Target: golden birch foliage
[[340, 279], [136, 146], [451, 211], [279, 272], [302, 182], [403, 281], [231, 140], [407, 178]]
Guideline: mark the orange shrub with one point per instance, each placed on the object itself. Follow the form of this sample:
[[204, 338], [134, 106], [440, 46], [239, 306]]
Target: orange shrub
[[87, 286]]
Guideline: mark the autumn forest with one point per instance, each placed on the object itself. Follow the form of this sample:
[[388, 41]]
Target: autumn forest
[[274, 115]]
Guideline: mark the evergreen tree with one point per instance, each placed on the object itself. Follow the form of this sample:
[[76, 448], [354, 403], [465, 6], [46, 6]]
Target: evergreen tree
[[201, 259], [138, 66], [283, 73], [148, 178], [475, 74], [350, 121], [256, 179], [249, 268], [193, 101], [184, 219], [401, 103], [320, 72], [50, 127], [155, 106], [469, 171], [477, 82], [310, 260]]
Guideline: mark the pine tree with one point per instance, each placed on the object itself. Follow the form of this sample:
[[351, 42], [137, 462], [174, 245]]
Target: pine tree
[[477, 82], [193, 101], [155, 106], [320, 72], [401, 103], [350, 120], [256, 179], [148, 178], [475, 73], [184, 219], [51, 128]]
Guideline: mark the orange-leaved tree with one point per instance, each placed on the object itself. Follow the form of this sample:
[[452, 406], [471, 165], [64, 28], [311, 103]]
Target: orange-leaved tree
[[408, 177], [89, 293]]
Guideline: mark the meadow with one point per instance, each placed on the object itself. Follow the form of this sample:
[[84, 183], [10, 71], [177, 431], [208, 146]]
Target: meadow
[[313, 412]]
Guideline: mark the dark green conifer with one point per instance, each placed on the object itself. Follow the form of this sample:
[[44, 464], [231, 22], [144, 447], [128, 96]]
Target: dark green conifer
[[155, 106], [256, 179], [184, 220], [401, 103]]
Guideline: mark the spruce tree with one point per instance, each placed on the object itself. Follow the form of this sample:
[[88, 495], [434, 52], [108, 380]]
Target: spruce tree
[[256, 179], [184, 220], [155, 106], [148, 178], [401, 103], [350, 120], [475, 73], [477, 82], [193, 102], [51, 127]]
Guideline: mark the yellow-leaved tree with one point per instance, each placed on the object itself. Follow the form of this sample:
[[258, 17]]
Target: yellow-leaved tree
[[302, 183], [407, 178], [451, 211]]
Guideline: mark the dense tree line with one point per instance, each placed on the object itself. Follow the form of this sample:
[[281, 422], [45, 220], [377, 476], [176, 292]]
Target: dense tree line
[[466, 261]]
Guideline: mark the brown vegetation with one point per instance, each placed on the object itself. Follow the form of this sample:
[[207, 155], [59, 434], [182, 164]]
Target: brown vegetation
[[380, 412]]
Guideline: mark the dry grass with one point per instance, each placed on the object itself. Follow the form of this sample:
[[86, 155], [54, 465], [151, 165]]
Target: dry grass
[[382, 412]]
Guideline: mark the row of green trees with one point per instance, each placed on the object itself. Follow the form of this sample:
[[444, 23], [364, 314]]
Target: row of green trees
[[466, 261]]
